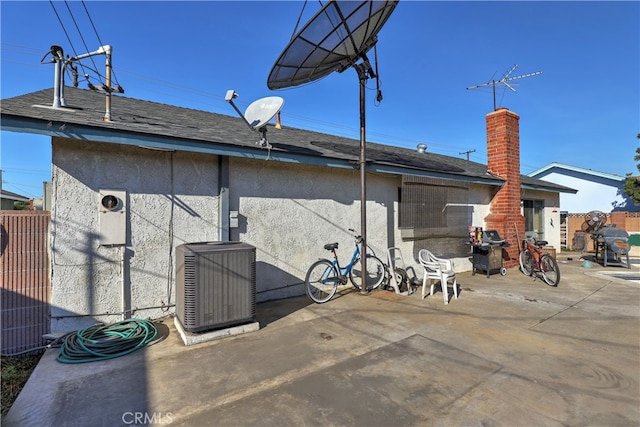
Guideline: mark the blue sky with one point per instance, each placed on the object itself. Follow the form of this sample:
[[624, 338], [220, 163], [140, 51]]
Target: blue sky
[[584, 110]]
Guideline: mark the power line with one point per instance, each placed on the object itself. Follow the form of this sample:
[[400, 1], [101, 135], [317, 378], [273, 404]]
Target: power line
[[95, 31], [313, 124], [86, 48], [26, 171], [63, 27]]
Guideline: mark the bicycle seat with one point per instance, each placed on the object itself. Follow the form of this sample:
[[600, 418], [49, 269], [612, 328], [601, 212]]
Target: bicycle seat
[[541, 243], [331, 246]]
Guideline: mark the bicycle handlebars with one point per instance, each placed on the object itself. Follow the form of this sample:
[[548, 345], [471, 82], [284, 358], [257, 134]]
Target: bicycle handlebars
[[358, 237]]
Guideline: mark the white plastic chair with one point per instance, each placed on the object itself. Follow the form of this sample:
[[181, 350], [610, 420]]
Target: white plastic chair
[[437, 269]]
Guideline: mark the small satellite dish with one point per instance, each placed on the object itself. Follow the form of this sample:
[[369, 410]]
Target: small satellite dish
[[260, 112]]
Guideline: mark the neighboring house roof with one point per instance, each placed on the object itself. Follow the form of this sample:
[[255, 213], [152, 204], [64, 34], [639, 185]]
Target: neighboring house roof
[[574, 171], [150, 124], [8, 195], [596, 190], [529, 183]]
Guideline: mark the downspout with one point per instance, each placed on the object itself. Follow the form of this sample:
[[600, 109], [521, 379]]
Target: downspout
[[123, 282], [223, 199]]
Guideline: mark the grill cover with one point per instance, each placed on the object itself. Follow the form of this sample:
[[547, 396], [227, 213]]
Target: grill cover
[[610, 232]]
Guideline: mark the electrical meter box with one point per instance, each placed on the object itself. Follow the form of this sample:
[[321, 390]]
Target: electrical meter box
[[112, 216]]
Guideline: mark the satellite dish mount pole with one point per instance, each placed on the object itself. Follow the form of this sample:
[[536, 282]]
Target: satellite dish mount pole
[[364, 71], [335, 38]]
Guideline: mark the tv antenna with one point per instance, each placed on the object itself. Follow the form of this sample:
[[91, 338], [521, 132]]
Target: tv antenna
[[467, 152], [336, 38], [258, 113], [506, 78]]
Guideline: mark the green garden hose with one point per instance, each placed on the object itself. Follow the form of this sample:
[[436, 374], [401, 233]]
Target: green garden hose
[[101, 342]]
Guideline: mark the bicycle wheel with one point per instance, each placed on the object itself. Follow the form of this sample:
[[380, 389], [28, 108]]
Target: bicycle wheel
[[549, 269], [321, 281], [402, 279], [526, 262], [376, 273]]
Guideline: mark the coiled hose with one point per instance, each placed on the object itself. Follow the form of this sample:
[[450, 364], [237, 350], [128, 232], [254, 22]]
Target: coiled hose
[[101, 342]]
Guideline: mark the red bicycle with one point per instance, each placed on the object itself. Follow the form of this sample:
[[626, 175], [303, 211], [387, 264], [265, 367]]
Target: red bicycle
[[533, 260]]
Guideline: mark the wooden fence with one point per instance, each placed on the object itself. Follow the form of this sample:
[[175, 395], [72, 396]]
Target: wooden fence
[[628, 221], [25, 279]]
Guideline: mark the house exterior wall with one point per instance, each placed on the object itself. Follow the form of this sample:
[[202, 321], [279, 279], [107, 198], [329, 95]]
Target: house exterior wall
[[287, 211], [290, 211], [594, 193], [551, 215], [88, 279]]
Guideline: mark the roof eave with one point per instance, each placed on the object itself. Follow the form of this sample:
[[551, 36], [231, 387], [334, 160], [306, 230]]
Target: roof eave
[[549, 189], [73, 131], [396, 170], [560, 166]]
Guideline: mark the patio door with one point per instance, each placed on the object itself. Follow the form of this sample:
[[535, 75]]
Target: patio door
[[533, 211]]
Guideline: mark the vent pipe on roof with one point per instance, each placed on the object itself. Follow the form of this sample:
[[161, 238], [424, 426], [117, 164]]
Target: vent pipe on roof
[[60, 68], [58, 78]]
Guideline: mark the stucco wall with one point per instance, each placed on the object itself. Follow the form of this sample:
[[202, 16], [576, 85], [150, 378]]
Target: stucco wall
[[172, 199], [595, 193], [551, 215], [287, 211], [290, 211]]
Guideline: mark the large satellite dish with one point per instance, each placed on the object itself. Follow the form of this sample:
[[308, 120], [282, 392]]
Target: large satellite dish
[[333, 40], [336, 38]]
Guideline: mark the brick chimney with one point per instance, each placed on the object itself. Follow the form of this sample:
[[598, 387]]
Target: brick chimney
[[503, 160]]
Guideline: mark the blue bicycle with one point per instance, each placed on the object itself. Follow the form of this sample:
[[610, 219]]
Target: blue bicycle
[[324, 276]]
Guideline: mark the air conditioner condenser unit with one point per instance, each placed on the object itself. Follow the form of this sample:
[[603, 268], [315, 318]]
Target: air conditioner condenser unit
[[215, 285]]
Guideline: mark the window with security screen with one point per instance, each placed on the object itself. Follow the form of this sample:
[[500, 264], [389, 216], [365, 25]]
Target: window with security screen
[[433, 207]]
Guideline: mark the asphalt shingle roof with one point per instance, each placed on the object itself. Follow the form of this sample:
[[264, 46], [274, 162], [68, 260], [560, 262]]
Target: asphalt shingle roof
[[131, 117]]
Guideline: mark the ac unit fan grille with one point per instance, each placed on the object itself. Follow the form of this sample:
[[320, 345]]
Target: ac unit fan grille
[[190, 294]]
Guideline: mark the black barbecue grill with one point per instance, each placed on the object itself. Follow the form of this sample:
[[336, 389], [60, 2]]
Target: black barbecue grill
[[612, 243], [487, 252]]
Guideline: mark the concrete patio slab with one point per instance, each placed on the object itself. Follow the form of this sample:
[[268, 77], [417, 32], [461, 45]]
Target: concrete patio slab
[[509, 351]]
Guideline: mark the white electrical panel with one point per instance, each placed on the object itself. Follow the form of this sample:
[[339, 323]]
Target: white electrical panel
[[233, 219], [112, 215]]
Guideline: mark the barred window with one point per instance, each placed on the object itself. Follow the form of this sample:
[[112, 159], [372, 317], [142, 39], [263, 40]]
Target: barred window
[[434, 207]]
